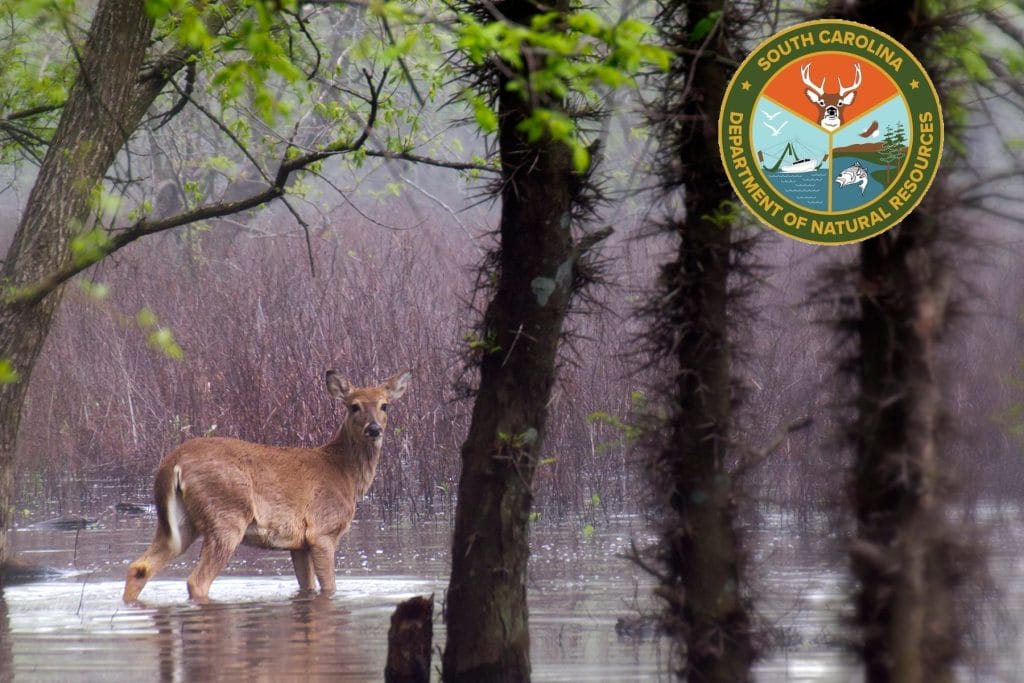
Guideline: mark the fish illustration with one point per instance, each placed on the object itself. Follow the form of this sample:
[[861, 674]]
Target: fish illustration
[[854, 175], [872, 131]]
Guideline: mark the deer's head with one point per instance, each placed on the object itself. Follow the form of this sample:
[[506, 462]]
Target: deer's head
[[367, 406], [830, 105]]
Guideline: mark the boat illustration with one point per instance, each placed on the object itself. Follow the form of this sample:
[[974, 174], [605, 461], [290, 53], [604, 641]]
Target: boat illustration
[[798, 165]]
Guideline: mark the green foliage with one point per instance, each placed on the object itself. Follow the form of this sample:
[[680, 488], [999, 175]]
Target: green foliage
[[97, 291], [158, 337], [725, 215], [518, 440], [36, 75], [8, 373], [90, 246], [703, 27], [254, 58], [488, 344], [578, 54]]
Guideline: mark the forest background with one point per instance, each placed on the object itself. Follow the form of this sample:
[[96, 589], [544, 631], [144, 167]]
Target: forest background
[[327, 185]]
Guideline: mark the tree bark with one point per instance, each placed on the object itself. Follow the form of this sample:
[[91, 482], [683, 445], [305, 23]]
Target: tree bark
[[487, 635], [906, 557], [104, 107], [410, 639], [700, 558]]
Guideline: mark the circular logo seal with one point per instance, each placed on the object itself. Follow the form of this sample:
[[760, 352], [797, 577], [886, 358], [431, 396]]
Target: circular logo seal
[[830, 132]]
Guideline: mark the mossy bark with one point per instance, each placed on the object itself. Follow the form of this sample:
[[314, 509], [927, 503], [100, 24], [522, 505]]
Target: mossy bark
[[700, 558], [486, 615], [906, 556]]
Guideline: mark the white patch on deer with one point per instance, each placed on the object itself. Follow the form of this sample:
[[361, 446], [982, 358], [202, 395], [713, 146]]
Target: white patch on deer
[[175, 511]]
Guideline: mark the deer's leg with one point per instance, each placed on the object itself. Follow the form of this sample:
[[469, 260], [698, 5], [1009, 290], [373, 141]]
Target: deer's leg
[[303, 563], [162, 550], [218, 547], [323, 563]]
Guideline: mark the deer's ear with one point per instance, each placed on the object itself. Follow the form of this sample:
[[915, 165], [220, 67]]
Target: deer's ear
[[338, 385], [397, 384], [848, 98], [812, 96]]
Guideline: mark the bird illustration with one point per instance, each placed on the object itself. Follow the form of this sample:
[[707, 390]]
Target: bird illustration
[[872, 131], [771, 117], [776, 131]]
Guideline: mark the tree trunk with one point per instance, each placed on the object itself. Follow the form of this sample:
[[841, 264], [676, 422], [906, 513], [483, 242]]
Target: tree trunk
[[486, 616], [410, 640], [906, 555], [102, 110], [699, 555]]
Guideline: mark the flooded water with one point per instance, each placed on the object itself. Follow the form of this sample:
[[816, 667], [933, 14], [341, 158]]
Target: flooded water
[[258, 628]]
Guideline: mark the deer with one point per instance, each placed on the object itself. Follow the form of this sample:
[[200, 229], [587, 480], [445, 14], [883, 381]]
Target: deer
[[230, 492], [830, 105]]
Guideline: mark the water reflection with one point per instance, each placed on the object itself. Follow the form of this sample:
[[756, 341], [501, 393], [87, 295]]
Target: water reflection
[[6, 661], [305, 638], [259, 628]]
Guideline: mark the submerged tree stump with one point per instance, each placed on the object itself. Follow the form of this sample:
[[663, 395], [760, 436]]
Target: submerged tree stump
[[409, 641]]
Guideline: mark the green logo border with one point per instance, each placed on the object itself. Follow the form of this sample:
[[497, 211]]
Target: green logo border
[[806, 225]]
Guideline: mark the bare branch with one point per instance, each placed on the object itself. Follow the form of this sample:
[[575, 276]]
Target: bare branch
[[430, 161]]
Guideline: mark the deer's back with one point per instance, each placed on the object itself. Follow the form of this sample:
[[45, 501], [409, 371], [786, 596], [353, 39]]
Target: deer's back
[[280, 495]]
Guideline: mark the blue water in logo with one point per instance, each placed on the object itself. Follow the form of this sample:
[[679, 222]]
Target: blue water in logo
[[850, 197], [809, 190]]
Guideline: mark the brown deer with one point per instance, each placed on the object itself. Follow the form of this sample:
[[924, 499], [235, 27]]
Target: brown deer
[[830, 105], [300, 499]]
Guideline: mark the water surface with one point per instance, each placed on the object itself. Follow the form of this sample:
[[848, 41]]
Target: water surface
[[75, 628]]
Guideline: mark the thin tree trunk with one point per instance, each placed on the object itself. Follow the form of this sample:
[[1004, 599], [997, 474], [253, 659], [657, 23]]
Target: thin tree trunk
[[486, 615], [699, 553], [102, 110]]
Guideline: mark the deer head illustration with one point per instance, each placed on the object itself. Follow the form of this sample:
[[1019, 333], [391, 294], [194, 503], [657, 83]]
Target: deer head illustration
[[830, 105]]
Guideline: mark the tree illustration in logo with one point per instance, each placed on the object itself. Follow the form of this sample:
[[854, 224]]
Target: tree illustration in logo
[[894, 149]]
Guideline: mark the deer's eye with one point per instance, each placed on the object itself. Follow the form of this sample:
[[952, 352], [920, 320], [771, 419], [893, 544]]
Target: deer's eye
[[384, 407], [354, 408]]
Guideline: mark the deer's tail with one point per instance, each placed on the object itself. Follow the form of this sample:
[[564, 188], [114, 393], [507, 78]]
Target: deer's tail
[[171, 511]]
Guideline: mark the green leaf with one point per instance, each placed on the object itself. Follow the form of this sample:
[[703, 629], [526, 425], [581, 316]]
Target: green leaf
[[703, 27], [94, 290], [162, 340], [146, 318], [91, 246], [580, 157], [8, 374]]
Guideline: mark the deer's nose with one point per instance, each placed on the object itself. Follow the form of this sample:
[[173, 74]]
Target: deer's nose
[[373, 430], [831, 111]]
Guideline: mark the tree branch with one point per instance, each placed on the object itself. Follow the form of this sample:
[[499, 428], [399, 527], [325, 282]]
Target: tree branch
[[34, 292], [430, 161]]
